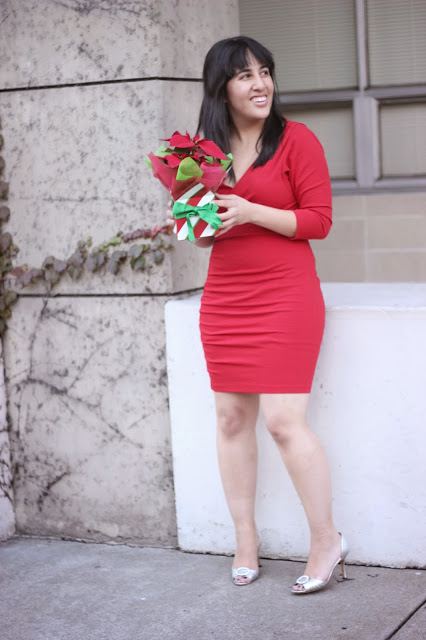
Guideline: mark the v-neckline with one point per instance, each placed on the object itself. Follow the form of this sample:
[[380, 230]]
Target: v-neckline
[[242, 177]]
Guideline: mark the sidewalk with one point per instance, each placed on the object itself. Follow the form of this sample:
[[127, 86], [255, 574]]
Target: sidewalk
[[59, 590]]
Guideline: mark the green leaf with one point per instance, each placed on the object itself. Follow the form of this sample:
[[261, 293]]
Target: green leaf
[[48, 262], [4, 190], [5, 242], [59, 266], [138, 264], [135, 251], [188, 168], [4, 214], [51, 277], [74, 272], [10, 297], [158, 256], [161, 152], [113, 266], [118, 256], [114, 241], [31, 276], [77, 259]]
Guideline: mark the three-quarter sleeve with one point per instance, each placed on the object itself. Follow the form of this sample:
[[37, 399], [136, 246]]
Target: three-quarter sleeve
[[310, 181]]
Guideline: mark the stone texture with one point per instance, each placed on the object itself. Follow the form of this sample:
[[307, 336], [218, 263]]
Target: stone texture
[[87, 392], [340, 265], [375, 238], [47, 42], [345, 235], [396, 266], [76, 167], [188, 30], [388, 204], [7, 517], [406, 231], [87, 389], [51, 42]]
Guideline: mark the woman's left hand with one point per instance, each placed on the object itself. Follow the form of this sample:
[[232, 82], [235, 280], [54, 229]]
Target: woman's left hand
[[238, 211]]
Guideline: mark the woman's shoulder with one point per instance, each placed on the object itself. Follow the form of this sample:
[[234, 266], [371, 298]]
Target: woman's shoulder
[[297, 132]]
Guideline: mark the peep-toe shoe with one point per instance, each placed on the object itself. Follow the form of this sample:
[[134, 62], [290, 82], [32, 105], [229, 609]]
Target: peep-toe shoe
[[315, 584], [244, 572]]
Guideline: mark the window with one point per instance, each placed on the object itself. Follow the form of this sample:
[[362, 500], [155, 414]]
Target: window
[[354, 71]]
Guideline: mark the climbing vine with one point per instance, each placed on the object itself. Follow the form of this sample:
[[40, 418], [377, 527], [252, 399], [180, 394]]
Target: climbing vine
[[139, 248]]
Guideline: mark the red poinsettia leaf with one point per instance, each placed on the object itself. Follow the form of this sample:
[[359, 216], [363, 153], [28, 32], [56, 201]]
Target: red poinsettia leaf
[[183, 142], [196, 138], [173, 160], [210, 148]]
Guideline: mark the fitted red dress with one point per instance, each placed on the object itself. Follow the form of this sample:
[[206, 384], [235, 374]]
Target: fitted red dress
[[262, 310]]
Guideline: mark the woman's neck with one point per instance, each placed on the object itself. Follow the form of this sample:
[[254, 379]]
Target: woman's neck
[[247, 134]]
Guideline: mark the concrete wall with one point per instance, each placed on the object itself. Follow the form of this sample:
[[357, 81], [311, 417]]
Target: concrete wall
[[368, 407], [90, 88]]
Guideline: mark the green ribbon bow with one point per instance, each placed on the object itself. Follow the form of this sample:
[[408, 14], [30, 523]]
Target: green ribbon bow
[[207, 212]]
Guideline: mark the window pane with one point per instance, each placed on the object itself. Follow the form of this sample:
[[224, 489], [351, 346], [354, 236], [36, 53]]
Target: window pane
[[334, 128], [313, 41], [403, 135], [396, 41]]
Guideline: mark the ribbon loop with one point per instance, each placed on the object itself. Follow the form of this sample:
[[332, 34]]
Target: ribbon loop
[[206, 212]]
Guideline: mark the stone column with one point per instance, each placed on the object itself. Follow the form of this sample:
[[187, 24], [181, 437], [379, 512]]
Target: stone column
[[88, 90]]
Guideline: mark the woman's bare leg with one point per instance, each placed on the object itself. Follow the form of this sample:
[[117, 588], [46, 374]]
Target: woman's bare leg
[[237, 454], [304, 457]]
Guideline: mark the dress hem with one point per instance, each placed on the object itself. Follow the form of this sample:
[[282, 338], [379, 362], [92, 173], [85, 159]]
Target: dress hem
[[278, 390]]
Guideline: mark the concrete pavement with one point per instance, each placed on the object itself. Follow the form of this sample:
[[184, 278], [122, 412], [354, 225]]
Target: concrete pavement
[[61, 590]]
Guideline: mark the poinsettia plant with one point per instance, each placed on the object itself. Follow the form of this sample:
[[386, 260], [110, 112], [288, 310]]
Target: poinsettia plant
[[191, 169]]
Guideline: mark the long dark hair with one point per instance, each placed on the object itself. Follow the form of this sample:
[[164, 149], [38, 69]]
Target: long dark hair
[[220, 65]]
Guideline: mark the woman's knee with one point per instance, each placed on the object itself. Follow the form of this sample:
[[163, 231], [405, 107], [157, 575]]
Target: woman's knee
[[234, 420], [283, 427]]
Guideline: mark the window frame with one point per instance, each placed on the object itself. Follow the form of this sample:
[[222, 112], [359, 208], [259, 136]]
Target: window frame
[[365, 102]]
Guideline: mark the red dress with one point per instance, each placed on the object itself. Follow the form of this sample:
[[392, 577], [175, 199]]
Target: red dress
[[262, 310]]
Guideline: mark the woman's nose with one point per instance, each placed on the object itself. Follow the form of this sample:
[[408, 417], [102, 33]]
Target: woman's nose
[[258, 81]]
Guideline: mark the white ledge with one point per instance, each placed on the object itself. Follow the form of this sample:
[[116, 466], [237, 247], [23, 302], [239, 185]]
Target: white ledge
[[368, 406]]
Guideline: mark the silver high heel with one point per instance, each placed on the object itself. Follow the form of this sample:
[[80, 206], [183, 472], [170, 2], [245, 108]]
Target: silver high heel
[[244, 572], [314, 584]]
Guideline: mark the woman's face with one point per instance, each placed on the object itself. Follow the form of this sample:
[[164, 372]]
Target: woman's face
[[249, 93]]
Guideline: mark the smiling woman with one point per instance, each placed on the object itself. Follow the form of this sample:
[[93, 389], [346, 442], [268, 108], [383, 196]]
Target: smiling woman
[[249, 93], [262, 311]]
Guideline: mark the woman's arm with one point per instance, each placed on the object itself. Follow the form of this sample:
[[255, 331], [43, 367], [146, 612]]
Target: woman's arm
[[310, 181], [241, 211]]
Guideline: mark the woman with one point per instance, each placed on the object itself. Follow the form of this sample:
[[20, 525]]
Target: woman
[[262, 311]]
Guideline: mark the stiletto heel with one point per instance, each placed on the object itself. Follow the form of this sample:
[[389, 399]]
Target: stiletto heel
[[343, 568], [315, 584]]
